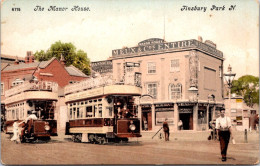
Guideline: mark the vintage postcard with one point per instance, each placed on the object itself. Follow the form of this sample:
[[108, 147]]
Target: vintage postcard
[[110, 82]]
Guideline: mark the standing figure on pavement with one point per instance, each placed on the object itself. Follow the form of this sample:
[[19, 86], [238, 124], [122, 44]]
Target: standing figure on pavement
[[166, 130], [223, 126], [180, 125], [16, 131]]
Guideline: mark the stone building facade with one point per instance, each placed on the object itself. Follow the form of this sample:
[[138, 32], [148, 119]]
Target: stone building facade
[[180, 80]]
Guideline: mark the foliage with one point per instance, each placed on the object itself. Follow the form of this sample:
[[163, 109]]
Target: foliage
[[248, 87], [72, 56]]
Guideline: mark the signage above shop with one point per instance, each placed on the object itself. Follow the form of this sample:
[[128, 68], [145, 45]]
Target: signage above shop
[[186, 104], [146, 105], [203, 104], [164, 109], [164, 105], [185, 110], [159, 45]]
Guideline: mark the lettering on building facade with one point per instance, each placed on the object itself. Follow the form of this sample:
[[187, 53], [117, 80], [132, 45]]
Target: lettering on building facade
[[186, 104], [102, 66], [159, 45]]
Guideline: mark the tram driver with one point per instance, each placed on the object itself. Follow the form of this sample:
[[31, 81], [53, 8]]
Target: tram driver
[[125, 113], [28, 122]]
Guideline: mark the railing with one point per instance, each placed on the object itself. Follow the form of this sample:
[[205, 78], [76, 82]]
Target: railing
[[32, 86], [94, 83]]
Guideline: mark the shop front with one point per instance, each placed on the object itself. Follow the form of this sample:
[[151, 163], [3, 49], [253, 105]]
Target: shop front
[[202, 117], [186, 116], [146, 117], [164, 112]]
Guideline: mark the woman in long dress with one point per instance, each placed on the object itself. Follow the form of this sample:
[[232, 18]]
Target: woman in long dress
[[15, 131]]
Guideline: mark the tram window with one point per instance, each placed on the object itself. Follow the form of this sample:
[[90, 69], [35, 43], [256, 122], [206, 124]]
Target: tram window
[[100, 110], [17, 113], [95, 111], [110, 111], [74, 113], [13, 114], [71, 113], [89, 111], [78, 115], [80, 112]]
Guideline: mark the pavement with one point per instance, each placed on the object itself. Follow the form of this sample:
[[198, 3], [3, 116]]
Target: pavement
[[239, 136], [184, 147]]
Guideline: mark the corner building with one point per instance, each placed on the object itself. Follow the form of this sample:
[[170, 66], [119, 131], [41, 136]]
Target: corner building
[[180, 80]]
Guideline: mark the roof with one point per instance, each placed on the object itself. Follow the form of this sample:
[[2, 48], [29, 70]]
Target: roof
[[46, 63], [75, 71], [21, 66], [4, 65], [10, 57]]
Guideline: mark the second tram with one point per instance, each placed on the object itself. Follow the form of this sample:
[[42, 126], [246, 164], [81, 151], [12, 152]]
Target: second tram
[[29, 98], [102, 112]]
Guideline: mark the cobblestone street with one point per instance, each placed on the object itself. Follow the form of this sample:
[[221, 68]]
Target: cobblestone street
[[183, 148]]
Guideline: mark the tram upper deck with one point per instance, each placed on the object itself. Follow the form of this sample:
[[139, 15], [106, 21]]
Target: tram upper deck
[[97, 87], [42, 90]]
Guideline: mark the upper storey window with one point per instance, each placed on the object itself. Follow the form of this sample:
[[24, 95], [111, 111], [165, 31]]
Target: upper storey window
[[151, 67], [175, 65]]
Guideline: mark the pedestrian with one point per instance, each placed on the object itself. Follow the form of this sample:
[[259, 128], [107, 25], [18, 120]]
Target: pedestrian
[[166, 130], [224, 132], [180, 125], [16, 134]]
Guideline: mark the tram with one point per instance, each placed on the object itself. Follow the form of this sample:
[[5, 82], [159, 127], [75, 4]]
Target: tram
[[102, 111], [27, 98]]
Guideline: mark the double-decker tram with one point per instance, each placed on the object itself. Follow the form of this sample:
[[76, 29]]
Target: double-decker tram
[[31, 99], [101, 111]]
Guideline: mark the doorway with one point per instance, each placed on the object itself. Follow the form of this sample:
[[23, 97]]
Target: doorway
[[147, 120], [187, 120]]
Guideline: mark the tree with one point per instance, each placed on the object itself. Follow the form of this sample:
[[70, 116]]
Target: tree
[[72, 56], [248, 87]]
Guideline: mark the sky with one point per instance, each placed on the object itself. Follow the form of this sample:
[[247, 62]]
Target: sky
[[113, 24]]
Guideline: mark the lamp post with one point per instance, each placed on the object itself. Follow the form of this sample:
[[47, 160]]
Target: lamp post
[[229, 77]]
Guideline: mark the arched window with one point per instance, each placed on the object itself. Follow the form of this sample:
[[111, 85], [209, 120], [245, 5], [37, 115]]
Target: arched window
[[175, 91]]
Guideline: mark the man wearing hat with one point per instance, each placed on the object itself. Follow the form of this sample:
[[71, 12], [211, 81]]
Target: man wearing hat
[[28, 123], [223, 126]]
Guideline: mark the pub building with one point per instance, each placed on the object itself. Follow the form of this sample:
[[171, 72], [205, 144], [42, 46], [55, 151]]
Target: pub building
[[180, 80]]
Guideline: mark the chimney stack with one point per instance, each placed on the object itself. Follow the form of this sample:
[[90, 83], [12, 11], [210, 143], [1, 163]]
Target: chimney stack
[[200, 39], [29, 57]]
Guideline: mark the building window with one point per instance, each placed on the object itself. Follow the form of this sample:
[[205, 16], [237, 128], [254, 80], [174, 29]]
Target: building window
[[175, 91], [175, 65], [2, 88], [152, 90], [151, 67], [17, 81]]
